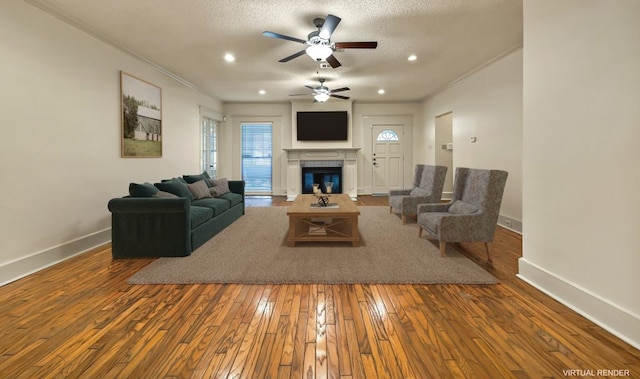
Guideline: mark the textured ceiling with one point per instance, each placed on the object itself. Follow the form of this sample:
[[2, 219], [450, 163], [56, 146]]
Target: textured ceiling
[[190, 38]]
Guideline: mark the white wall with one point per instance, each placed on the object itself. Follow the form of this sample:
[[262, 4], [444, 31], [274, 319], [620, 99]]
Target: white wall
[[580, 157], [60, 146], [487, 105]]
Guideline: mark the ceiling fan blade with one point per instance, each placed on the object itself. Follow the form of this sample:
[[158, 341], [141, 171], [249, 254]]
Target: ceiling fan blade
[[292, 56], [330, 24], [333, 62], [356, 45], [311, 88], [300, 94], [282, 36], [340, 89], [339, 97]]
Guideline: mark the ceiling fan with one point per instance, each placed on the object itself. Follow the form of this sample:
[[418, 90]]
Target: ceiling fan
[[321, 93], [320, 47]]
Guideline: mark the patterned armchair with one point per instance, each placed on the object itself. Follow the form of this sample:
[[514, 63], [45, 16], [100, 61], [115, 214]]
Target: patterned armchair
[[472, 213], [428, 182]]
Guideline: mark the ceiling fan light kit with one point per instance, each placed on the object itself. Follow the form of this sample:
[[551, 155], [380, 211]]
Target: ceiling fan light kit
[[321, 97], [322, 93], [319, 52]]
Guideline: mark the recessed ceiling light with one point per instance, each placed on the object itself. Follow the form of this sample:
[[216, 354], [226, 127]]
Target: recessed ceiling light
[[262, 92], [381, 91], [412, 57], [229, 57]]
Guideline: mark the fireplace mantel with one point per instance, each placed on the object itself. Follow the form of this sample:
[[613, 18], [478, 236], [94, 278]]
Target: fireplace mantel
[[348, 156], [354, 149]]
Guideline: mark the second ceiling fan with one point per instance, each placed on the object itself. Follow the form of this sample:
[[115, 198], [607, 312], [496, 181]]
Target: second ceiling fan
[[320, 47], [322, 93]]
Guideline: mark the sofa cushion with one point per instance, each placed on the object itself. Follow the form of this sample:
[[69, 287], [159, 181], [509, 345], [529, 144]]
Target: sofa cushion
[[142, 190], [176, 187], [218, 186], [419, 192], [218, 206], [199, 215], [460, 207], [232, 197], [199, 189], [196, 178]]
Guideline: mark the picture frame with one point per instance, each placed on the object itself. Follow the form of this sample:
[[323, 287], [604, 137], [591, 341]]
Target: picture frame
[[141, 111]]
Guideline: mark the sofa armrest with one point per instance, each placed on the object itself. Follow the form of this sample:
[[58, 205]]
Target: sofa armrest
[[150, 227], [400, 192], [237, 186], [434, 207]]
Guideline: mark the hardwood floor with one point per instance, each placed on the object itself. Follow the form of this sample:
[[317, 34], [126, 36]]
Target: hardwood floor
[[80, 319]]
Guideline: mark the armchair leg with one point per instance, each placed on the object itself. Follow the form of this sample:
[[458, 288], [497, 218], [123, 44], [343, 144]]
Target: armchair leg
[[404, 219], [390, 209], [443, 247], [486, 246], [419, 231]]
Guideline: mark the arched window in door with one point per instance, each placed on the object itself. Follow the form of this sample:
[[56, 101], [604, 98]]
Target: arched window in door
[[387, 135]]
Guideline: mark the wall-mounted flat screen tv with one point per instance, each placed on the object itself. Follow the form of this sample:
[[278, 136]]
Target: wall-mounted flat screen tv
[[323, 126]]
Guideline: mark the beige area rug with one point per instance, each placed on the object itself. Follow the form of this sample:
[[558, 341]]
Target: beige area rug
[[253, 251]]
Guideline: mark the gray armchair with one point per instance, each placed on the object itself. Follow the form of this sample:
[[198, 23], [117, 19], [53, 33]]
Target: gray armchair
[[472, 213], [428, 182]]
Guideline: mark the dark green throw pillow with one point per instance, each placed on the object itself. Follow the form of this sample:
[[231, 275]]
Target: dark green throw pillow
[[175, 187], [142, 190], [196, 178], [180, 179]]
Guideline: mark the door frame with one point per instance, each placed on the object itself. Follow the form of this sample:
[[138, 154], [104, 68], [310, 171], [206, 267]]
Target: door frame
[[443, 126], [390, 161], [365, 164]]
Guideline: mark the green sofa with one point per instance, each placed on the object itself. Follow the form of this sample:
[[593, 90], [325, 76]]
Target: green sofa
[[166, 219]]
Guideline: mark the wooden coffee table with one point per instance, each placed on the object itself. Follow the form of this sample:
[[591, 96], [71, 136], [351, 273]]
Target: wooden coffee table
[[314, 223]]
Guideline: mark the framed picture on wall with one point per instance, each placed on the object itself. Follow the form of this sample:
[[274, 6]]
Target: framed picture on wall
[[141, 118]]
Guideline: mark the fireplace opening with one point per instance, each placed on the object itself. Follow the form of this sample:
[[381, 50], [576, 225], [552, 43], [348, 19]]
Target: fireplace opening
[[321, 175]]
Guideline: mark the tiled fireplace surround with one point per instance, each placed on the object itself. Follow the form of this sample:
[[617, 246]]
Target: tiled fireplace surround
[[338, 157]]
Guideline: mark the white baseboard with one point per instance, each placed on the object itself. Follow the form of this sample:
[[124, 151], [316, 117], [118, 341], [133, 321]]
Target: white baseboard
[[510, 223], [19, 268], [611, 317]]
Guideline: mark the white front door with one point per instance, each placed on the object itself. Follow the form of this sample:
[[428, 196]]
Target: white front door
[[387, 158]]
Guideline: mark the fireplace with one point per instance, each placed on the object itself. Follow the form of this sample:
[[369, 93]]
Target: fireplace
[[321, 175], [308, 166]]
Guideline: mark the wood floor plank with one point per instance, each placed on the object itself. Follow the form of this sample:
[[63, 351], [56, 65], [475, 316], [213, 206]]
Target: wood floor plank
[[355, 356], [292, 303], [322, 370], [81, 319], [342, 342], [299, 344], [309, 365]]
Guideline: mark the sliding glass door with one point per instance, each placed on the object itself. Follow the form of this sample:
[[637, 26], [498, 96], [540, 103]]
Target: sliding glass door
[[257, 153]]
